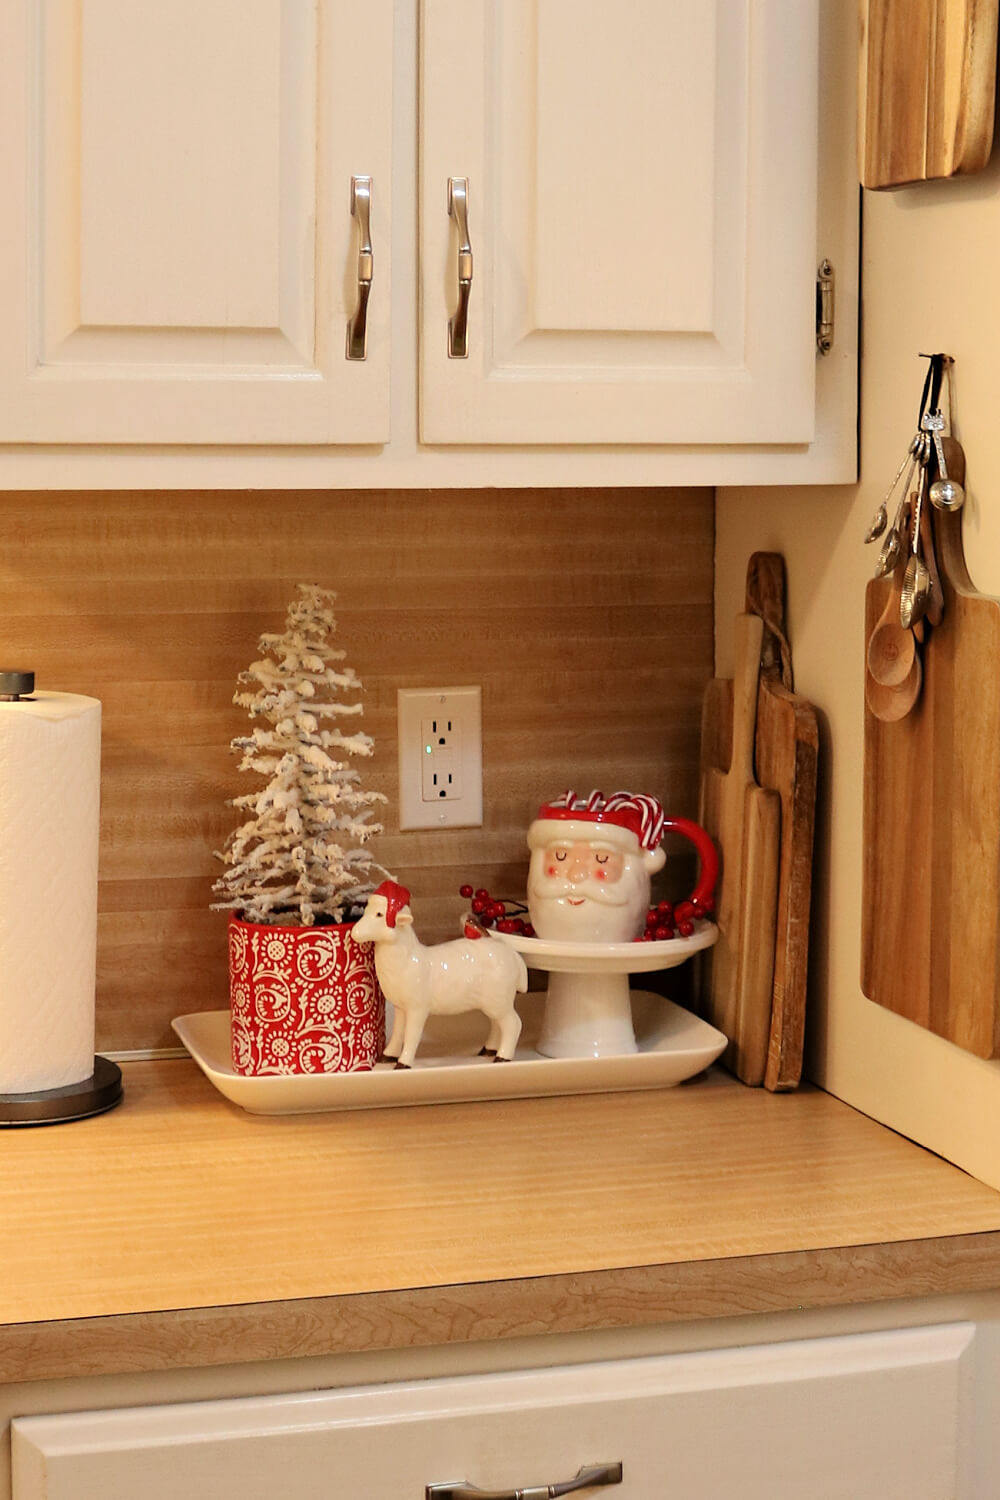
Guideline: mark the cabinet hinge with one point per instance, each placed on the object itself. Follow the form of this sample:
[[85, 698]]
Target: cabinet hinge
[[824, 307]]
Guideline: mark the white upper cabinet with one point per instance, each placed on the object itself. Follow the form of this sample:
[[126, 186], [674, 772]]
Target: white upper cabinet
[[642, 215], [180, 259], [650, 186]]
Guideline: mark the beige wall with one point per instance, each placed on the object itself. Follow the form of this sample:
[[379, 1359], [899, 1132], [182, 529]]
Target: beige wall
[[586, 616], [929, 282]]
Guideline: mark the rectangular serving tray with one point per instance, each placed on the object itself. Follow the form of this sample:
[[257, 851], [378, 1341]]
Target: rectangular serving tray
[[673, 1045]]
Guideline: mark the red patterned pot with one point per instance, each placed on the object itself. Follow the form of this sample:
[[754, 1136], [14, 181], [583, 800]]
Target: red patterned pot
[[303, 1000]]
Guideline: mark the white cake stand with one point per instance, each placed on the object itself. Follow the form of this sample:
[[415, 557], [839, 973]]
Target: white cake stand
[[588, 1009]]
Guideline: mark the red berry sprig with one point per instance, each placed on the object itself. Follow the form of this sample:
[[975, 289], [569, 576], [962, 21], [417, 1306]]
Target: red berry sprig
[[504, 916], [665, 921]]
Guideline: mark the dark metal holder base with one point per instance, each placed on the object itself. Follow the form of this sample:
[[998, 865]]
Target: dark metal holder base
[[77, 1101]]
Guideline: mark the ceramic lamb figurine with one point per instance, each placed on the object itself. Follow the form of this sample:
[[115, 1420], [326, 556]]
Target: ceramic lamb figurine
[[480, 973]]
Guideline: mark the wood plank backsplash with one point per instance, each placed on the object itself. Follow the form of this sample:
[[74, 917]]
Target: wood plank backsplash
[[586, 616]]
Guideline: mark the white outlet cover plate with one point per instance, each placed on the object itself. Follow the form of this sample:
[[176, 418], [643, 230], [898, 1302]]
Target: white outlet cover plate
[[463, 707]]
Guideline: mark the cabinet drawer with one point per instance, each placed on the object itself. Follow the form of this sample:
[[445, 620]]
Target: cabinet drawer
[[877, 1415]]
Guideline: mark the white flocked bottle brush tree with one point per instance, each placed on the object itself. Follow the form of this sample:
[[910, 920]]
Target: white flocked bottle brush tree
[[300, 857]]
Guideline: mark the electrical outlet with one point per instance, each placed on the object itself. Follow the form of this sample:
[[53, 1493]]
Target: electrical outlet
[[442, 762], [440, 757]]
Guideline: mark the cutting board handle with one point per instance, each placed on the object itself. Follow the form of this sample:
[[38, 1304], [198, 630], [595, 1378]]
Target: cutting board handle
[[765, 596], [749, 637], [950, 545]]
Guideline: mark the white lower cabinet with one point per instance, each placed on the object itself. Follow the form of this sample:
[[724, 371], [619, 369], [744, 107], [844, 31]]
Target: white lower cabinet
[[878, 1415]]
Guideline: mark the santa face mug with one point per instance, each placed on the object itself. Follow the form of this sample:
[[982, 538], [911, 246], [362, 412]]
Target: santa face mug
[[592, 859]]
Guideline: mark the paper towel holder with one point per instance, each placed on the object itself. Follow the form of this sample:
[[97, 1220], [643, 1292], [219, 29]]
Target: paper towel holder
[[15, 685], [76, 1101]]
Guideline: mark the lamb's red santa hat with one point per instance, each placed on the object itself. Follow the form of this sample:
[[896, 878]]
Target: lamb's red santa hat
[[396, 897]]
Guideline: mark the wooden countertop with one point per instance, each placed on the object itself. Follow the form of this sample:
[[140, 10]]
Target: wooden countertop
[[180, 1229]]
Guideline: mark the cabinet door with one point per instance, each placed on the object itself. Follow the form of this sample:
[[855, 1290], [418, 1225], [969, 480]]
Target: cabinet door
[[179, 258], [869, 1417], [642, 214]]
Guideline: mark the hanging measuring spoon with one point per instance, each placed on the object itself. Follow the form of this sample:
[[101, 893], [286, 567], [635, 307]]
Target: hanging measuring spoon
[[947, 492], [881, 516]]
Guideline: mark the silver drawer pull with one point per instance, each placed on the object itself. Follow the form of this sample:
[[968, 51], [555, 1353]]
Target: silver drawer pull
[[591, 1474], [357, 327], [458, 326]]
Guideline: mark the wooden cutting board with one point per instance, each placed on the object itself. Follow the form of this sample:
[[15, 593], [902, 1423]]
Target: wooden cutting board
[[931, 849], [787, 755], [786, 758], [745, 821], [926, 84]]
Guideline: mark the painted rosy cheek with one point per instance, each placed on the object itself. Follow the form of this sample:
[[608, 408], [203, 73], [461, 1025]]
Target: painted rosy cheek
[[550, 870], [601, 874]]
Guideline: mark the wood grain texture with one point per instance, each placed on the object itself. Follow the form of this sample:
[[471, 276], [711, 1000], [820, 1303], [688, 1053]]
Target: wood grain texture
[[586, 615], [716, 724], [745, 821], [785, 760], [180, 1200], [787, 753], [786, 756], [483, 1311], [931, 861], [927, 78]]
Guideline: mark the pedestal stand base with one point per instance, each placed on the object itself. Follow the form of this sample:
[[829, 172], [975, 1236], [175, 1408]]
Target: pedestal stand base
[[587, 1015], [76, 1101], [588, 1009]]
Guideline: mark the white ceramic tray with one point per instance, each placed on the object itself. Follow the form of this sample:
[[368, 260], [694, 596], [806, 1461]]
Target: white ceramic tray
[[672, 1045]]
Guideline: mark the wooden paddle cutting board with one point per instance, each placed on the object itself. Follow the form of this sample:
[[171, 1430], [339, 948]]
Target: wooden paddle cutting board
[[931, 856], [745, 822], [926, 83], [787, 755], [786, 761]]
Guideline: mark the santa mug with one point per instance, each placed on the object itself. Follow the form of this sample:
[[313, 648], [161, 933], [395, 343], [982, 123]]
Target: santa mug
[[592, 861]]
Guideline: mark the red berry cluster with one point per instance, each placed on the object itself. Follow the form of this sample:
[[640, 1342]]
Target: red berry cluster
[[665, 921], [504, 916]]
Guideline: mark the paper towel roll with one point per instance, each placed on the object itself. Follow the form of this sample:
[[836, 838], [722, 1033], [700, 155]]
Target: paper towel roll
[[50, 788]]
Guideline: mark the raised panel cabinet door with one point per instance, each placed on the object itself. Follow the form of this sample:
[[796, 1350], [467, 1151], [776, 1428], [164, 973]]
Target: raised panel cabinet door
[[862, 1417], [179, 259], [642, 217]]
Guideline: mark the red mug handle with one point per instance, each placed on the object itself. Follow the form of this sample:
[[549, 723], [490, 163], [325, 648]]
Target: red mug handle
[[703, 895]]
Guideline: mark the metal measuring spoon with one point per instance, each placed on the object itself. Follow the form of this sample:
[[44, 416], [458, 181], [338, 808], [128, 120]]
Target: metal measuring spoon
[[916, 589], [890, 551], [947, 491], [881, 517], [915, 592], [935, 598], [892, 548]]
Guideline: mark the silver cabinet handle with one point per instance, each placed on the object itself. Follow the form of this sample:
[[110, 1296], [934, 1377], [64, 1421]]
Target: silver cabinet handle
[[357, 327], [458, 326], [591, 1474]]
